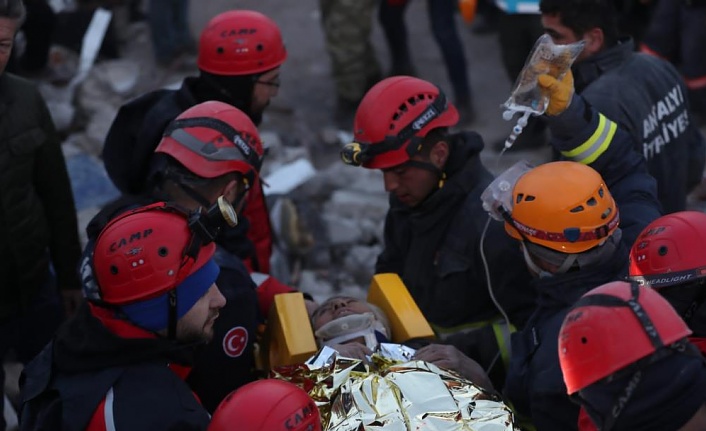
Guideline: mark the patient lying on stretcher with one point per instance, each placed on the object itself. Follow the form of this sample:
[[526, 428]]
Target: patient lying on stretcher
[[355, 328]]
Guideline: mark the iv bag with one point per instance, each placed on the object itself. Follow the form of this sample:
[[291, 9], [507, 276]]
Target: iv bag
[[545, 58]]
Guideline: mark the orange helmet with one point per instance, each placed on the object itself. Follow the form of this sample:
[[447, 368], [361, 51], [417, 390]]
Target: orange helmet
[[611, 327], [563, 206], [670, 250], [240, 42], [267, 405], [392, 117]]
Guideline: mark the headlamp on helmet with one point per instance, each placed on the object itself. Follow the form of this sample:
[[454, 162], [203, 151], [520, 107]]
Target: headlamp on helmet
[[357, 153], [393, 118]]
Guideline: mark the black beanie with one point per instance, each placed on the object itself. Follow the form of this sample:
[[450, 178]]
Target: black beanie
[[234, 90]]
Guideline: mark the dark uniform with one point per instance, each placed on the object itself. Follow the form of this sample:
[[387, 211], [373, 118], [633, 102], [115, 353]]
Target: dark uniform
[[102, 373], [647, 96], [535, 384], [435, 248]]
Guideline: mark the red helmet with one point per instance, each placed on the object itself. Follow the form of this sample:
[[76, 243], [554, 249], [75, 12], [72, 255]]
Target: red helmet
[[611, 327], [564, 206], [670, 250], [267, 405], [391, 115], [240, 42], [144, 253], [212, 139]]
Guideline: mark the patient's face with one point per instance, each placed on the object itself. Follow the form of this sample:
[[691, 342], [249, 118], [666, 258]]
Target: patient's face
[[336, 307]]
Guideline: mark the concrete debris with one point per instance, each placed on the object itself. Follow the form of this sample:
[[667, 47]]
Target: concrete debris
[[360, 262], [357, 205], [121, 75], [342, 231], [288, 177]]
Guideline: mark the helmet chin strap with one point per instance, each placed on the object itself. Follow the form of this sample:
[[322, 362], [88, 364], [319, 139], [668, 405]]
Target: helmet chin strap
[[427, 166], [563, 268]]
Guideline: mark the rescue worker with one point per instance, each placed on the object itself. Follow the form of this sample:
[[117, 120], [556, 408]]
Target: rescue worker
[[239, 60], [668, 257], [643, 94], [119, 363], [575, 221], [209, 153], [435, 223], [267, 405], [625, 357], [676, 33]]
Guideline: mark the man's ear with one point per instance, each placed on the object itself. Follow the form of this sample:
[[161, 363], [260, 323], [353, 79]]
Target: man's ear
[[439, 154], [595, 39]]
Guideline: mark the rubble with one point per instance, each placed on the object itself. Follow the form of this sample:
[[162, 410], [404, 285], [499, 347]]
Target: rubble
[[328, 222]]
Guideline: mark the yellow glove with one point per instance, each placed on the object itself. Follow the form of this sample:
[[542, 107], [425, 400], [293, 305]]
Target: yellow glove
[[559, 92]]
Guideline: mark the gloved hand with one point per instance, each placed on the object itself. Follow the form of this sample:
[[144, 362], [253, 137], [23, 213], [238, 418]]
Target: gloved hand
[[560, 92]]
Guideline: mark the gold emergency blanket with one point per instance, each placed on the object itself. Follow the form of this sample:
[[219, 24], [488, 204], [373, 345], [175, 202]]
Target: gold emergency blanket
[[394, 395]]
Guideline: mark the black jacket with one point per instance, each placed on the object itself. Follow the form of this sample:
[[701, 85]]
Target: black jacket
[[535, 384], [647, 96], [37, 213], [88, 366], [435, 248]]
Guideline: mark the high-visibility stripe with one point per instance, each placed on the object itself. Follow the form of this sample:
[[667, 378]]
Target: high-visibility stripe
[[695, 83], [108, 411], [596, 145], [500, 329], [502, 336]]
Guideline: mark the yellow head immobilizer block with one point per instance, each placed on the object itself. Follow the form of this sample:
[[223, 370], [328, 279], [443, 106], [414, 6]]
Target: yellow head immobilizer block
[[289, 338], [388, 292]]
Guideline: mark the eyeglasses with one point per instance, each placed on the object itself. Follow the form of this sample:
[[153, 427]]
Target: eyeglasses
[[274, 83]]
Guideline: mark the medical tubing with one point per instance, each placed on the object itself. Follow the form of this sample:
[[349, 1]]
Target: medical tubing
[[490, 287]]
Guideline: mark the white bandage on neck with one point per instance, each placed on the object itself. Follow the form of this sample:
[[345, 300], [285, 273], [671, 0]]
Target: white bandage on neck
[[350, 327]]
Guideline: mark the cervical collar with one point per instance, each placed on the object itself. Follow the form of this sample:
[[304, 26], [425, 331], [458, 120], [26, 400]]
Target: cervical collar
[[349, 327]]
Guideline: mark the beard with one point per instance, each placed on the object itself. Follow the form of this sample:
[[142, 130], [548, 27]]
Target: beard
[[193, 334]]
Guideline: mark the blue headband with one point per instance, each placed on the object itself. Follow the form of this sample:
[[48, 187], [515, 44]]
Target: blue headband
[[153, 314]]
